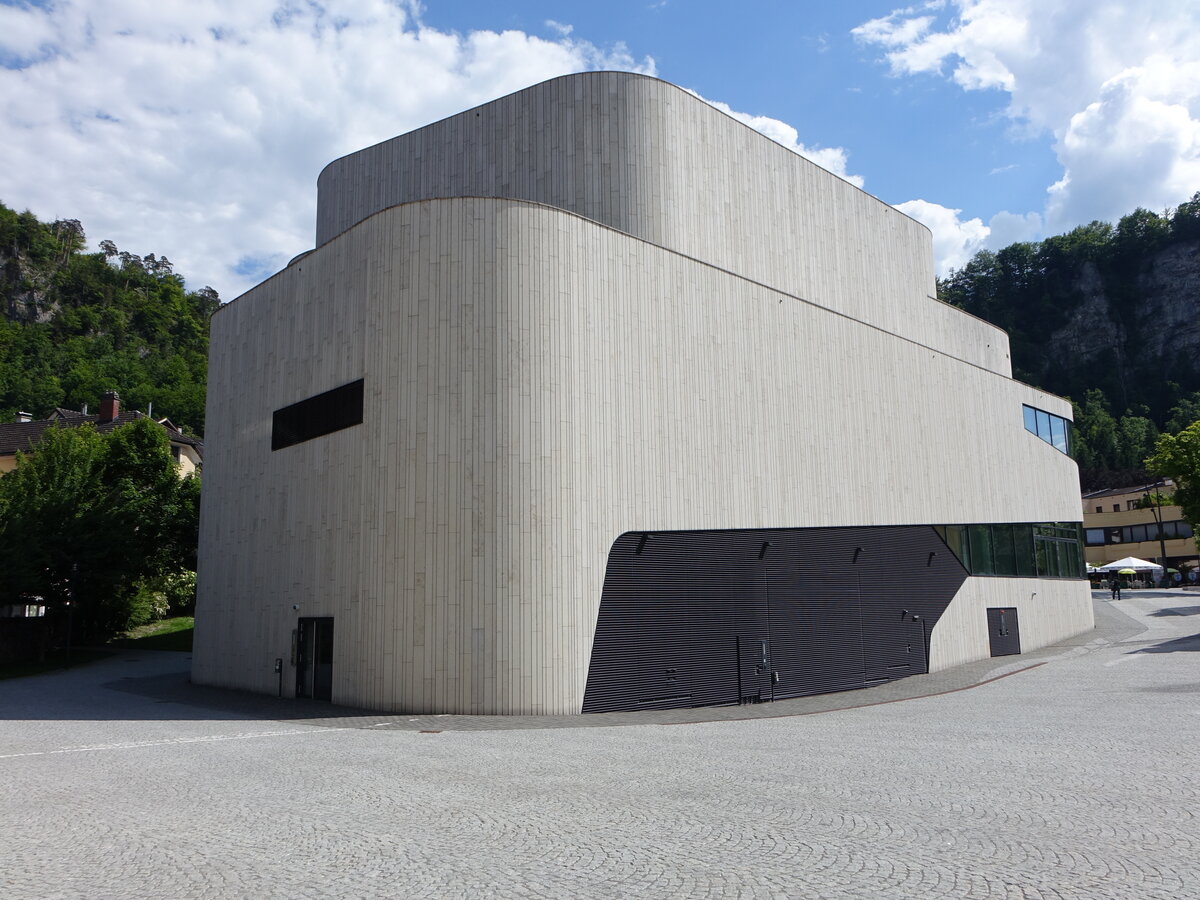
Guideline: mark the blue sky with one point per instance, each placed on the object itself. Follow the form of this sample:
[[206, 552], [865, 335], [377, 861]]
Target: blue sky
[[196, 129], [800, 62]]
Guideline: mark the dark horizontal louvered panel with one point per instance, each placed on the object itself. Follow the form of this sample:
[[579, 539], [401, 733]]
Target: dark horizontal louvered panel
[[683, 614]]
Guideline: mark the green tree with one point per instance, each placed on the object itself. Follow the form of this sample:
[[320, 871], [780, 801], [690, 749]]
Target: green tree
[[1096, 433], [73, 324], [1177, 456], [1137, 439], [87, 517], [1185, 221], [1184, 413]]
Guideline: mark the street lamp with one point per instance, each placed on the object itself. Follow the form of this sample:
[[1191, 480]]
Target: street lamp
[[1162, 543]]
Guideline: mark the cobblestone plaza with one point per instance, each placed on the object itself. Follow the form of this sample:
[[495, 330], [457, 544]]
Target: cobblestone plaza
[[1071, 772]]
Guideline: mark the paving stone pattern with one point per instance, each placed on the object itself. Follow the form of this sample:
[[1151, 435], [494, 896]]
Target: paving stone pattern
[[1073, 778]]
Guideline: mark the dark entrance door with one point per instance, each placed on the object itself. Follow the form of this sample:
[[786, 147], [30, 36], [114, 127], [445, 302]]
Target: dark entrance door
[[755, 678], [1003, 631], [816, 629], [314, 658], [894, 639]]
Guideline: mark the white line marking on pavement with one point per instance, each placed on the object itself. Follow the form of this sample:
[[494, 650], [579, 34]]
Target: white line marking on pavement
[[134, 745]]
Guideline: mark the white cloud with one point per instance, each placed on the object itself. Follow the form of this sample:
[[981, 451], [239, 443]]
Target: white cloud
[[955, 240], [1138, 144], [196, 130], [1117, 84], [832, 158], [1006, 228]]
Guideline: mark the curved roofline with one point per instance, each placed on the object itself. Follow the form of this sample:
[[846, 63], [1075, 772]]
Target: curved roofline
[[633, 237], [630, 75]]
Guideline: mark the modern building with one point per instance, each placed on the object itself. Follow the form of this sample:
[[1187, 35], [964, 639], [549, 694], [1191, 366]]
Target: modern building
[[594, 398], [1120, 522]]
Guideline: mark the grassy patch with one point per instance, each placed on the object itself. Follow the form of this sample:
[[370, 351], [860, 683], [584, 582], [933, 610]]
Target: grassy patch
[[55, 660], [166, 634]]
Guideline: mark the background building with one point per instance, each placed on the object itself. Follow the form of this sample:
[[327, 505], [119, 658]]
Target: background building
[[594, 398], [1116, 525]]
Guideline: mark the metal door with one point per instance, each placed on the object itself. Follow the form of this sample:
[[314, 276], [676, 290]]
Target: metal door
[[1003, 631], [756, 681], [895, 641], [314, 658]]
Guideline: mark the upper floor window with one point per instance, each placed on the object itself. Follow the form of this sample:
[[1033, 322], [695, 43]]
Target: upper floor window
[[1054, 430], [323, 414], [1136, 534]]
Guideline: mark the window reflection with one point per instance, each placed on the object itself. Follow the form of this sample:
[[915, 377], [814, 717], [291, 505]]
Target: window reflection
[[1054, 430], [1058, 433], [1039, 550], [1030, 419]]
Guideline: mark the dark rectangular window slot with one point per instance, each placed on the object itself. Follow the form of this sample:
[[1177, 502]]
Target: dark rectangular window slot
[[323, 414]]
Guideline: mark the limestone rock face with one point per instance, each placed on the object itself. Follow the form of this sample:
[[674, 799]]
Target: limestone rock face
[[1169, 314], [24, 288], [1091, 328], [1151, 332]]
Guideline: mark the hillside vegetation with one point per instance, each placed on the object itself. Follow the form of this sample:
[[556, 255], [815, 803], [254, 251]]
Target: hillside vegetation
[[75, 324], [1108, 316]]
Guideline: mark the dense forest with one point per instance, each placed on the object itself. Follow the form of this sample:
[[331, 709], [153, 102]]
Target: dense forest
[[1107, 316], [75, 324]]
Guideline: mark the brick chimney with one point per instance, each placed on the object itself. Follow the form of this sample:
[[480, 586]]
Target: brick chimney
[[110, 406]]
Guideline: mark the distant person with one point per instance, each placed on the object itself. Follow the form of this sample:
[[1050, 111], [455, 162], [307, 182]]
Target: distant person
[[1115, 587]]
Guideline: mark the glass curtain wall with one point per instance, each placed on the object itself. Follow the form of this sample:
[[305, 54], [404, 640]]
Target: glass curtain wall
[[1039, 550]]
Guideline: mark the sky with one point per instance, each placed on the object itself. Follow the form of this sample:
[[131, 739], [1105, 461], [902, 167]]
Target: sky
[[195, 129]]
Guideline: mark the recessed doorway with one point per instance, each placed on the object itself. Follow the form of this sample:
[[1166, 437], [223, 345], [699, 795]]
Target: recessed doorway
[[314, 658]]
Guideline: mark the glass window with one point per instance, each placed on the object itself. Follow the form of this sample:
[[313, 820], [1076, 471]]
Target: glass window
[[1044, 549], [1075, 560], [323, 414], [980, 539], [1137, 534], [1062, 551], [1054, 430], [1058, 433], [1116, 507], [1002, 547], [1023, 549], [1099, 509], [1030, 419], [954, 536], [1185, 530], [1043, 426], [1095, 537]]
